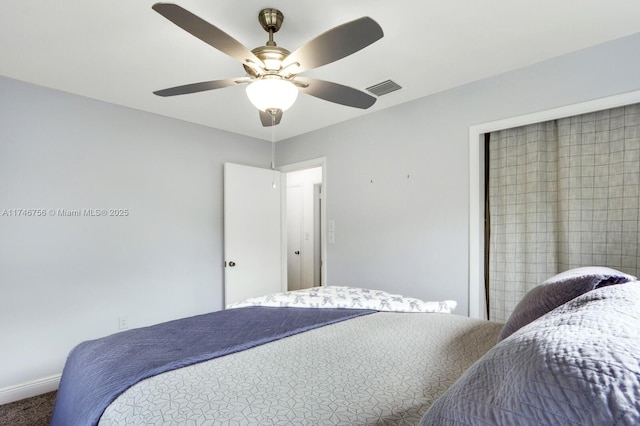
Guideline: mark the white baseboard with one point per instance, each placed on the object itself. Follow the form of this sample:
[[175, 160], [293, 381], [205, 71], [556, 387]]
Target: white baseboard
[[27, 390]]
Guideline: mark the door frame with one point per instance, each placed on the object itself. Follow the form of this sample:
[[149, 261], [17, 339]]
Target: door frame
[[294, 167]]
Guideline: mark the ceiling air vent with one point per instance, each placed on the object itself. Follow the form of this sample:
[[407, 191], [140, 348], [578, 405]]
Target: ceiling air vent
[[383, 88]]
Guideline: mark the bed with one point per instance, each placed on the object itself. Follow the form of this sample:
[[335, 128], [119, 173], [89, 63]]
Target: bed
[[568, 355], [330, 355]]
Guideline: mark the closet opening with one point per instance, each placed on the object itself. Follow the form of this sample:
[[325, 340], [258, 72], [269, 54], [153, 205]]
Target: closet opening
[[477, 145]]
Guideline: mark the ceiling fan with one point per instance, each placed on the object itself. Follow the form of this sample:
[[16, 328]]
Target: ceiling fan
[[272, 72]]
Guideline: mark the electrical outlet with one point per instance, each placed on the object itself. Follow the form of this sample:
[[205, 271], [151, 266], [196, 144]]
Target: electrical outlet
[[123, 322]]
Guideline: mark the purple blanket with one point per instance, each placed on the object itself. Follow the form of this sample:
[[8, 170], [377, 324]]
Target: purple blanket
[[98, 371]]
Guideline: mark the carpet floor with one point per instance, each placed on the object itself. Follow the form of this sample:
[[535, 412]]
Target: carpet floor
[[34, 411]]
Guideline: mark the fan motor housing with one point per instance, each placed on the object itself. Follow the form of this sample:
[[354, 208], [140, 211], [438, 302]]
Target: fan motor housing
[[271, 56]]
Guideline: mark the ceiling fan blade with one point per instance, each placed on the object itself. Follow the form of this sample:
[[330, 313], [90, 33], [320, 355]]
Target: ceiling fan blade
[[335, 44], [206, 32], [267, 119], [201, 87], [334, 92]]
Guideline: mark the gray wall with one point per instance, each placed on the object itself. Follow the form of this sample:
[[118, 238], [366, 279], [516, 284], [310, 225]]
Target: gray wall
[[407, 231], [68, 279]]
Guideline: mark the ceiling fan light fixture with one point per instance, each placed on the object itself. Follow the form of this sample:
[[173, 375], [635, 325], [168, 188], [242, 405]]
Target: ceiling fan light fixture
[[272, 93], [272, 71]]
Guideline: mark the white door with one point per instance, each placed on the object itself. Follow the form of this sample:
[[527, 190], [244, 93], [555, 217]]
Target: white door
[[252, 232], [294, 237]]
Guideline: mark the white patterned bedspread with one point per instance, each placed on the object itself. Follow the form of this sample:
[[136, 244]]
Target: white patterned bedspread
[[347, 297], [383, 368]]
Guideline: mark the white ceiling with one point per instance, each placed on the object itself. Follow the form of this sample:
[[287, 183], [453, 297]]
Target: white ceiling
[[120, 51]]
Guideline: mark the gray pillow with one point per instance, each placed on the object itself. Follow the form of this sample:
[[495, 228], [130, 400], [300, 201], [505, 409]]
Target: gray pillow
[[557, 291], [577, 365]]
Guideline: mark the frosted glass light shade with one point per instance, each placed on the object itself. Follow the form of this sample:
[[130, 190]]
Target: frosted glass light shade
[[272, 93]]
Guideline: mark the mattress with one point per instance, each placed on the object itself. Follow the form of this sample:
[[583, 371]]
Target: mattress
[[382, 368]]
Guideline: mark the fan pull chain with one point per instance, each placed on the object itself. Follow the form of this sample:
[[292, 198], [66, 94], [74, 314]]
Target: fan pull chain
[[273, 140], [273, 149]]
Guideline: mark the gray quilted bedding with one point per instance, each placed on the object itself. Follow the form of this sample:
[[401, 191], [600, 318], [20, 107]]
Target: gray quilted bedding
[[577, 365], [383, 368]]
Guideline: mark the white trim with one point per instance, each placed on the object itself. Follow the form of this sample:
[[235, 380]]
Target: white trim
[[476, 179], [27, 390], [310, 164]]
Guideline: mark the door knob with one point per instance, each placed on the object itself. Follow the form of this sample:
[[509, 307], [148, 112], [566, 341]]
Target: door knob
[[232, 264], [297, 252]]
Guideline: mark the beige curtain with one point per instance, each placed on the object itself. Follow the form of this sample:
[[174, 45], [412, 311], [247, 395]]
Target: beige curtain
[[562, 194]]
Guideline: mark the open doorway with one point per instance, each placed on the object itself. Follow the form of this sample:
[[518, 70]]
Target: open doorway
[[304, 228]]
